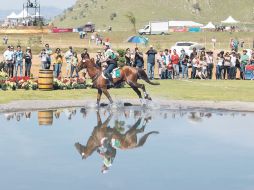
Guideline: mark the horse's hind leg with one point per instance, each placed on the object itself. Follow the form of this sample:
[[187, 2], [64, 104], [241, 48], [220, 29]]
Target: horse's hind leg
[[142, 86]]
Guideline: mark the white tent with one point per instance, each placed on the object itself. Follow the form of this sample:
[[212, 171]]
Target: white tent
[[230, 20], [23, 14], [184, 24], [12, 16], [210, 25]]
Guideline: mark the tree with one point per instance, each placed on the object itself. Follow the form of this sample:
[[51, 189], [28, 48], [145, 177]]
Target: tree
[[132, 20]]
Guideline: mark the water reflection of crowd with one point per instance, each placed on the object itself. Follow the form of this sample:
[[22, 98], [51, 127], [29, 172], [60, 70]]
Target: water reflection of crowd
[[17, 116], [126, 113]]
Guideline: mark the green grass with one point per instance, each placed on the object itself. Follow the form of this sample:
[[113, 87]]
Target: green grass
[[168, 90]]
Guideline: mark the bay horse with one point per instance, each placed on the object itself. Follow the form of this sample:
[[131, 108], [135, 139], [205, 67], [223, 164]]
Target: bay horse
[[128, 74], [128, 140]]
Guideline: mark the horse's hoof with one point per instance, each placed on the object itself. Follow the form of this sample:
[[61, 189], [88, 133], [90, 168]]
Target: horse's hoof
[[143, 102]]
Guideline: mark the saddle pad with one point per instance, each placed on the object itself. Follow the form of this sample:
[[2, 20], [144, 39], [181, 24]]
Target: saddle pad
[[116, 73]]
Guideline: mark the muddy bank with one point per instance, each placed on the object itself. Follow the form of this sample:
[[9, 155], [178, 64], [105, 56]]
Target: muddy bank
[[34, 105]]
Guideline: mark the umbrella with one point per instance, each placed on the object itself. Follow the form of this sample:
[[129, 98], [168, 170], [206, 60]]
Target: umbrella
[[138, 40]]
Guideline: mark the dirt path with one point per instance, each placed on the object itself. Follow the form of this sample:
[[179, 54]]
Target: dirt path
[[156, 104]]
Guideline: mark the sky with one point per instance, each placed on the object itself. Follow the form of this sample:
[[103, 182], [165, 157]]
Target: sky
[[18, 4]]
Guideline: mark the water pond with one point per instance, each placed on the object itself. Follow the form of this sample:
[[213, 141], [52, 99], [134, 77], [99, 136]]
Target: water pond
[[128, 148]]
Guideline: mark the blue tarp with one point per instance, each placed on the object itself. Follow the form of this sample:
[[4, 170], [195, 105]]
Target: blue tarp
[[194, 29]]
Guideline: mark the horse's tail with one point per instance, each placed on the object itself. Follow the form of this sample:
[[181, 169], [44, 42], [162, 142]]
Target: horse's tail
[[143, 139], [142, 75]]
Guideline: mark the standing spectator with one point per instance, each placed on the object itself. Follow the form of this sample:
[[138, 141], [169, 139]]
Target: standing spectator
[[183, 63], [92, 38], [192, 56], [58, 57], [199, 67], [151, 53], [68, 57], [238, 64], [44, 59], [226, 67], [209, 61], [9, 59], [167, 60], [19, 61], [99, 59], [252, 59], [175, 61], [138, 60], [220, 62], [5, 40], [49, 52], [196, 65], [74, 63], [235, 45], [128, 57], [242, 44], [244, 61], [162, 65], [85, 54], [232, 71], [203, 64], [231, 44], [28, 61], [214, 42]]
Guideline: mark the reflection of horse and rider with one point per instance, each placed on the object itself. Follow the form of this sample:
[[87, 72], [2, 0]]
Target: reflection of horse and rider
[[106, 140]]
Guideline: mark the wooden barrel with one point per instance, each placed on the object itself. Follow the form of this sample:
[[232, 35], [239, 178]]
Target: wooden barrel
[[45, 81], [45, 118]]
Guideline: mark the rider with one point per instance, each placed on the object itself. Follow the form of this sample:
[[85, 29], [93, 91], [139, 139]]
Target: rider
[[110, 59]]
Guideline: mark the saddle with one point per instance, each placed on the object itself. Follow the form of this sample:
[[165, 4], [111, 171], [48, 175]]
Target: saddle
[[116, 73]]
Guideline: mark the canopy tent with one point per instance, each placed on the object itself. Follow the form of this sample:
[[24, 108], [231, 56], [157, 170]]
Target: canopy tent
[[230, 20], [23, 14], [12, 16], [210, 25], [184, 24]]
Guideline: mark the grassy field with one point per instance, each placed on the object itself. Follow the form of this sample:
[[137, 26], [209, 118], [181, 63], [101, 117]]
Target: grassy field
[[118, 40], [168, 90]]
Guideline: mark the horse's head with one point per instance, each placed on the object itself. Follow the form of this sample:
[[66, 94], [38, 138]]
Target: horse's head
[[85, 63], [82, 150]]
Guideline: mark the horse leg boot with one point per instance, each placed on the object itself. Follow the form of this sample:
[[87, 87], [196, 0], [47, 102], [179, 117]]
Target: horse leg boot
[[146, 95], [99, 97]]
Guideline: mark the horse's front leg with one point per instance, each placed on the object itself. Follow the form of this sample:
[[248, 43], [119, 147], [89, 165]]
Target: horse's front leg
[[105, 91], [99, 97]]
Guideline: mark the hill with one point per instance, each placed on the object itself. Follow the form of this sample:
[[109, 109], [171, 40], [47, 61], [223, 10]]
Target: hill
[[106, 13]]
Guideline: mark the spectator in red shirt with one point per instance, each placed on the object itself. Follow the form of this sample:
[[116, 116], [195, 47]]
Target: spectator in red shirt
[[175, 61]]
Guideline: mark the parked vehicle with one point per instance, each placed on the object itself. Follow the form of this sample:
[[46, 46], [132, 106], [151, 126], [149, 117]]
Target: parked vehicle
[[89, 27], [187, 46], [158, 27]]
